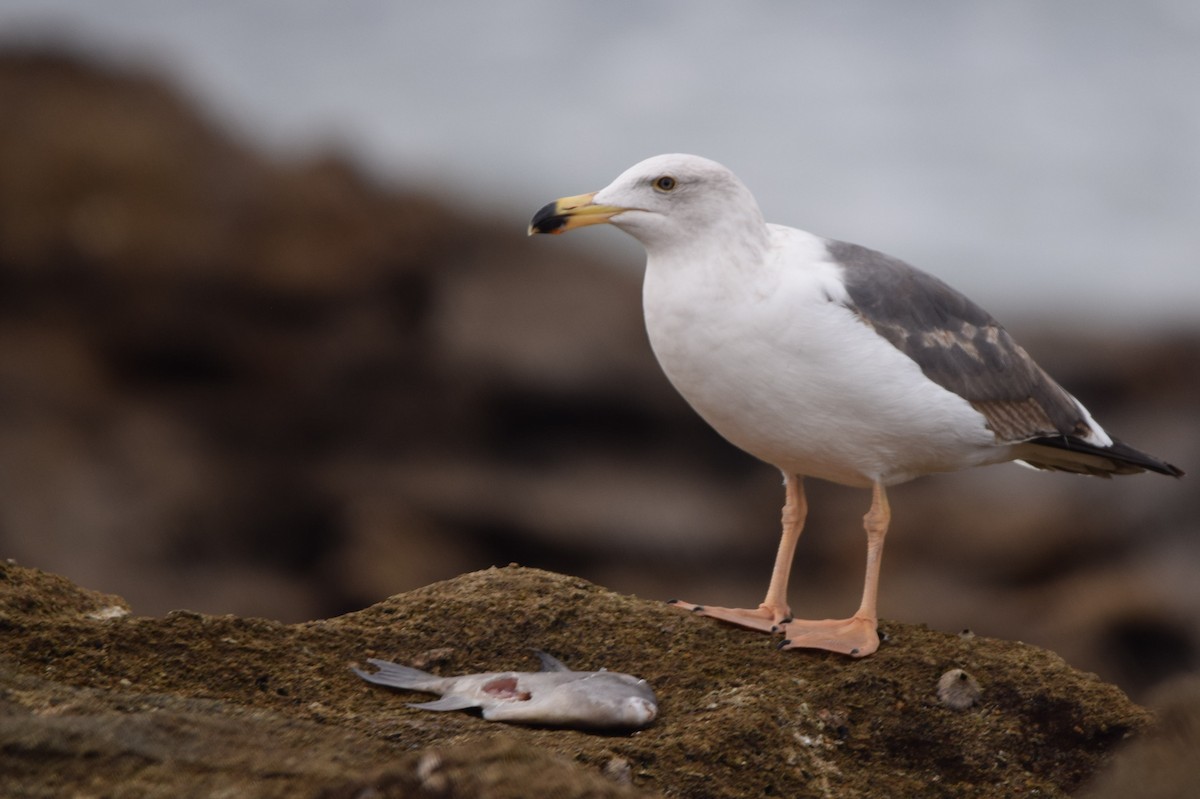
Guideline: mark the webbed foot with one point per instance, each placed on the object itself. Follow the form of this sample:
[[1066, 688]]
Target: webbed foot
[[764, 618], [855, 636]]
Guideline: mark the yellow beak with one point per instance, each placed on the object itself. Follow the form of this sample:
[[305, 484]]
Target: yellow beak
[[570, 213]]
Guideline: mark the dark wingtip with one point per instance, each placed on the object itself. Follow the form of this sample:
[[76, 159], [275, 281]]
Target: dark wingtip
[[1150, 463], [1123, 458], [547, 220]]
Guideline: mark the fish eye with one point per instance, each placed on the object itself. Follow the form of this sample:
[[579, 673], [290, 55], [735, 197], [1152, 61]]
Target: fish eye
[[665, 183]]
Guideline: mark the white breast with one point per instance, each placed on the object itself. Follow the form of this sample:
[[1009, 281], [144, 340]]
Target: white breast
[[775, 362]]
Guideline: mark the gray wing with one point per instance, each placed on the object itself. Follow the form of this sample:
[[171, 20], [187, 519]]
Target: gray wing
[[958, 345]]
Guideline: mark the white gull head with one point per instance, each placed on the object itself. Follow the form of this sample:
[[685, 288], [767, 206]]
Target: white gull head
[[678, 201]]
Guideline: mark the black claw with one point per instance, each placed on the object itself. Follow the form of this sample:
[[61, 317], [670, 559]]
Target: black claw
[[784, 644], [853, 651], [697, 609], [672, 601]]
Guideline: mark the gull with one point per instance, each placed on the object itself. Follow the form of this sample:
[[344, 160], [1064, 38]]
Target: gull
[[829, 360]]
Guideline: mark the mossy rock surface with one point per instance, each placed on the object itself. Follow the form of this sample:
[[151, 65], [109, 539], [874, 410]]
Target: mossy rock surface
[[96, 703]]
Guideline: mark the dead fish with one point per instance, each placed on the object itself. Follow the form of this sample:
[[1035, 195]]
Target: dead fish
[[554, 696]]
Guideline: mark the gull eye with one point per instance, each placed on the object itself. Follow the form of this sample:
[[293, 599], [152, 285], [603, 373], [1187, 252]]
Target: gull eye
[[665, 183]]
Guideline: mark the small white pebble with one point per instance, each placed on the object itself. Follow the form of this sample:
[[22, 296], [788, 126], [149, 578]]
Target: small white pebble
[[430, 774], [432, 657], [619, 770], [958, 690], [110, 612]]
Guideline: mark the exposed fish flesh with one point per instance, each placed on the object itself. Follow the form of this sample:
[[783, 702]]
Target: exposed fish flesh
[[554, 696]]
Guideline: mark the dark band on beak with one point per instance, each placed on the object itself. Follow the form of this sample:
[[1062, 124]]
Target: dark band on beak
[[547, 219], [569, 213]]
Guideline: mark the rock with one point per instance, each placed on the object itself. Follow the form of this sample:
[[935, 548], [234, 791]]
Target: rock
[[193, 704], [1162, 763]]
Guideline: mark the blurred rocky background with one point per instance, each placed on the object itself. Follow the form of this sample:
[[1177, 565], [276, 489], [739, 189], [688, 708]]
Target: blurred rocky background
[[240, 384]]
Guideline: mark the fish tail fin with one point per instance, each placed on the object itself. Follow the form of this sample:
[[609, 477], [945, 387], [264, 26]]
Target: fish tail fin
[[396, 676]]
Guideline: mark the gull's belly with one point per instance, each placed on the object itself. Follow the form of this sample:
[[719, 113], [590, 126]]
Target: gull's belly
[[816, 392]]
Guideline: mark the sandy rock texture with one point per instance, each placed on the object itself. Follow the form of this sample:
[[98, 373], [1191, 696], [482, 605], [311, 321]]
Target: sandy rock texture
[[96, 703], [238, 384]]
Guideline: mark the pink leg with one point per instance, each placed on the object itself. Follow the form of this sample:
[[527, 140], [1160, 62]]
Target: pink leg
[[773, 613], [855, 636]]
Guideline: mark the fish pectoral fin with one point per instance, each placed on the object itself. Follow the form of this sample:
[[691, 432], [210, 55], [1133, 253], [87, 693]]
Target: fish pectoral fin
[[446, 703], [549, 662]]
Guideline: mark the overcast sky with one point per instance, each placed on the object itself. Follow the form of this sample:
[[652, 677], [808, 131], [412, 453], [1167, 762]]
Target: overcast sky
[[1043, 157]]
